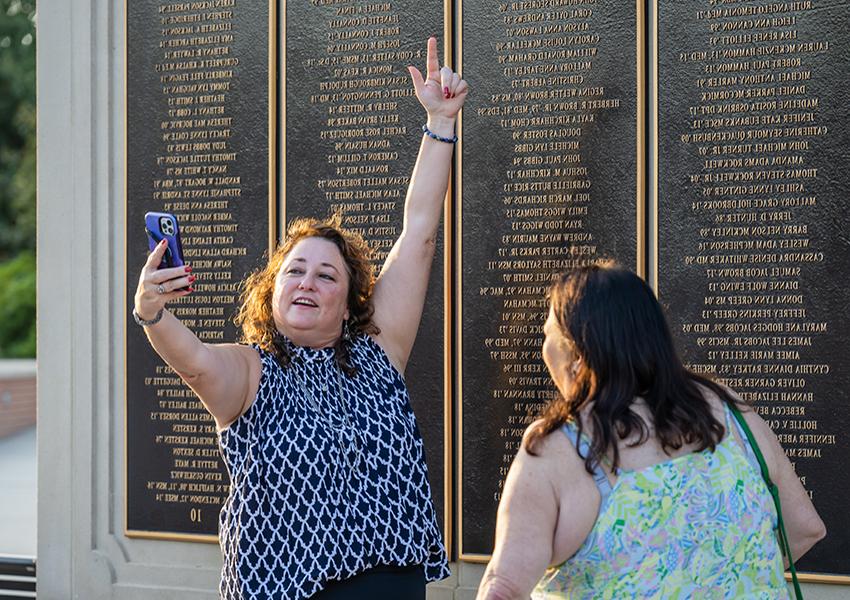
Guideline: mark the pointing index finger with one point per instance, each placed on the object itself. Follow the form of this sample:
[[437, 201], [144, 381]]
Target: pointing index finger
[[433, 63]]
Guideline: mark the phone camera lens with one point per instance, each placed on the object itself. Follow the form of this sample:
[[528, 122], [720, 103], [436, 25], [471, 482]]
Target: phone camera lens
[[167, 226]]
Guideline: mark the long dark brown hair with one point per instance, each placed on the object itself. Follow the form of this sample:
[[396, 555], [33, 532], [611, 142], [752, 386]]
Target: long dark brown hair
[[255, 314], [618, 330]]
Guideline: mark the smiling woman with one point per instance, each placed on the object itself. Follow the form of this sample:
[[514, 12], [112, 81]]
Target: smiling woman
[[318, 271], [329, 495]]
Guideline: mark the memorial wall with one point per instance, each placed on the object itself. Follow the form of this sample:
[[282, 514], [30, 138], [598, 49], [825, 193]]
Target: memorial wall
[[753, 250], [350, 140], [198, 146], [750, 239], [550, 177]]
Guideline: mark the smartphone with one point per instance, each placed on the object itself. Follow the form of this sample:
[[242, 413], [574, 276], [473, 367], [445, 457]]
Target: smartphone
[[163, 226]]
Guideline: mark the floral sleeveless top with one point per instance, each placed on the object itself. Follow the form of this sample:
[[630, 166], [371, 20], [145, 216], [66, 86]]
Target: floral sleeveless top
[[698, 526]]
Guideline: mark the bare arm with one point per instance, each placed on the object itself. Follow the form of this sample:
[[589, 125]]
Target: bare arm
[[802, 522], [223, 375], [400, 290], [531, 531], [525, 526]]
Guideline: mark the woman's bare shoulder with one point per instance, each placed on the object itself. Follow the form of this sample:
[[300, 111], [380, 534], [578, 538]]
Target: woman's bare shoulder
[[554, 449], [719, 404], [764, 436]]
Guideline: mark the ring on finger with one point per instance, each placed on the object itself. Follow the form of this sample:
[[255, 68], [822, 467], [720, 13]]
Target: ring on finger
[[159, 289]]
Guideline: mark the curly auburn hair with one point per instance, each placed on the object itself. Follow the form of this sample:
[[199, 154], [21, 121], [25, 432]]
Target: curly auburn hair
[[255, 313], [617, 327]]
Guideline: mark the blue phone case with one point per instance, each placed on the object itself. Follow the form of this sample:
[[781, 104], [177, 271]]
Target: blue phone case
[[160, 226]]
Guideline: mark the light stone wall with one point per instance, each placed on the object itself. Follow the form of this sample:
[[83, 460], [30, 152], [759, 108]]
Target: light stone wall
[[82, 552]]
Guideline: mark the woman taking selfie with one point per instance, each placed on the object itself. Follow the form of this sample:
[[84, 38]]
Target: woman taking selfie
[[638, 482], [329, 496]]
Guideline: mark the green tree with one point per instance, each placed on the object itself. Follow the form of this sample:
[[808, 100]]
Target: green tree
[[17, 127], [17, 306], [17, 178]]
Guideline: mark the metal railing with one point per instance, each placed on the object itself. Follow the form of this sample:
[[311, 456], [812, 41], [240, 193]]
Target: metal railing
[[17, 577]]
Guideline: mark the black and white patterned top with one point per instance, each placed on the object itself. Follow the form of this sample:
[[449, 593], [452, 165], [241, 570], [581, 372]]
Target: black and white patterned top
[[323, 484]]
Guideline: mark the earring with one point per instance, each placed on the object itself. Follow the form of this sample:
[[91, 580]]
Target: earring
[[346, 331]]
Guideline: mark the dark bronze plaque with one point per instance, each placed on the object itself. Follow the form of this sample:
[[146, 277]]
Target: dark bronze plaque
[[550, 179], [753, 250], [351, 138], [197, 146]]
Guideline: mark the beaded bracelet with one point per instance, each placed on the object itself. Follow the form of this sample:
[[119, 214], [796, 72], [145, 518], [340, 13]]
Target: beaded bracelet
[[432, 135]]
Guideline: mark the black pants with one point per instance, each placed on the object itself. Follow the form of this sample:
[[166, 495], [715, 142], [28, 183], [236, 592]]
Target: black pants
[[380, 583]]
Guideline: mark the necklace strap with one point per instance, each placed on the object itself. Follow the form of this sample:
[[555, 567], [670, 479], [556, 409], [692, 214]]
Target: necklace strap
[[347, 425]]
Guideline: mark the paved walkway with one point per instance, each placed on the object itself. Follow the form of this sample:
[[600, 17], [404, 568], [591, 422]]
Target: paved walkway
[[18, 476]]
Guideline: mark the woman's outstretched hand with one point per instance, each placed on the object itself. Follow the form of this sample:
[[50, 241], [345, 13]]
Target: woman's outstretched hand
[[159, 286], [442, 92]]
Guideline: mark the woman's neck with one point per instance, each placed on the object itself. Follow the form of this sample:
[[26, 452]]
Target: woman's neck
[[310, 339]]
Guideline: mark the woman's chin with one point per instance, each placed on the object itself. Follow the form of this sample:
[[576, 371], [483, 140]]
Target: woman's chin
[[304, 319]]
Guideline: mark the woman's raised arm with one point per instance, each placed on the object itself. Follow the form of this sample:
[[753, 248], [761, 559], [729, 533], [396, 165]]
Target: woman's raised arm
[[400, 291], [224, 376]]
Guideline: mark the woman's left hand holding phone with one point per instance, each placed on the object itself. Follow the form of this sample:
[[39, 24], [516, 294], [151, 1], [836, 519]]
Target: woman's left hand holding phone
[[158, 286]]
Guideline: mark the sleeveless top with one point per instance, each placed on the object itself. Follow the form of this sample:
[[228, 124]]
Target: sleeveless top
[[325, 483], [698, 526]]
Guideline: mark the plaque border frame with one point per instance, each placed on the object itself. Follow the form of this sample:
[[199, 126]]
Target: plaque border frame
[[448, 296], [272, 208], [448, 252], [640, 233], [802, 577]]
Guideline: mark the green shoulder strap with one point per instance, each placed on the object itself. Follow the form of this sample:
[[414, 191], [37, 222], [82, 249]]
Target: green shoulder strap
[[774, 492]]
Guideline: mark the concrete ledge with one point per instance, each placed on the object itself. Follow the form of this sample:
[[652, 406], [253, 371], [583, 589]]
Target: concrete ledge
[[17, 368]]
